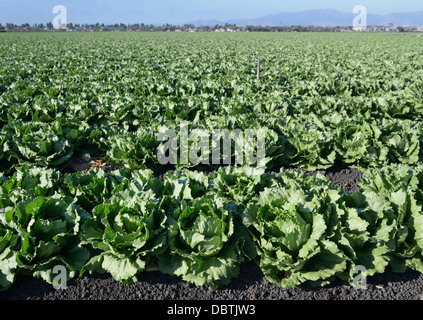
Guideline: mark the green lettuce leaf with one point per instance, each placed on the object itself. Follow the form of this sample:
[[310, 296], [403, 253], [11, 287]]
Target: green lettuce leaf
[[207, 243], [125, 233]]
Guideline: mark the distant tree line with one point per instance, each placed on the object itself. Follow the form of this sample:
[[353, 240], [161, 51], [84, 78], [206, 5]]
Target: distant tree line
[[177, 28]]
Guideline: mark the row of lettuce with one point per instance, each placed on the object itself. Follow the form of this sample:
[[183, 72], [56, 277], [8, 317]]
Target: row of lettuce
[[309, 142], [297, 227]]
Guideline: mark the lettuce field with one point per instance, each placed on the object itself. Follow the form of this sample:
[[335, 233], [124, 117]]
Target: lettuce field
[[323, 100]]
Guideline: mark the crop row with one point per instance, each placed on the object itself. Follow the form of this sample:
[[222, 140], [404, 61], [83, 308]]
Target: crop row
[[81, 95], [190, 76], [298, 228], [305, 141]]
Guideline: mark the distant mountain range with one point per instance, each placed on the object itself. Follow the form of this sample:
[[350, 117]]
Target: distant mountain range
[[324, 18]]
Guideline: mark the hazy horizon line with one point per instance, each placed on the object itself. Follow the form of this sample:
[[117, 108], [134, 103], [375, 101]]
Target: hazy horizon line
[[181, 23]]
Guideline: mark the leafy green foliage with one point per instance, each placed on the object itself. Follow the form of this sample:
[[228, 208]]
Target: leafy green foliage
[[291, 226], [136, 149], [126, 232], [316, 106], [298, 228], [206, 243], [395, 191], [110, 94], [39, 233], [37, 143]]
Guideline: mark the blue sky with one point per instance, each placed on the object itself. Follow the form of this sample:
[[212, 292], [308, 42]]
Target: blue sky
[[181, 11]]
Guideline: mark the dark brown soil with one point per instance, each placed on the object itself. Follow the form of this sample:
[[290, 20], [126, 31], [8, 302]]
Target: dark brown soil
[[346, 178]]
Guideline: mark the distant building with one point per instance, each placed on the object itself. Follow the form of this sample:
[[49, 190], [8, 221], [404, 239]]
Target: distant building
[[360, 28], [378, 28]]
